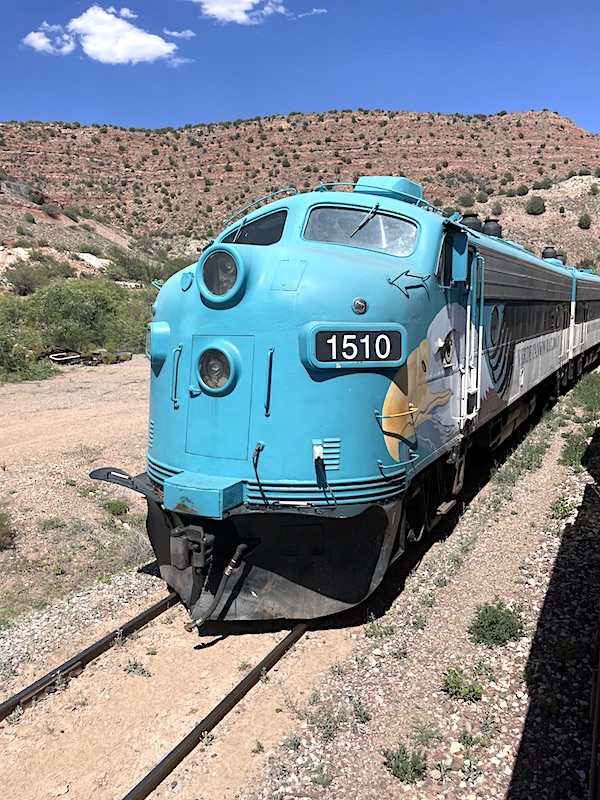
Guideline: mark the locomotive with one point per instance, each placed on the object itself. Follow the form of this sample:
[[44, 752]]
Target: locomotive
[[317, 379]]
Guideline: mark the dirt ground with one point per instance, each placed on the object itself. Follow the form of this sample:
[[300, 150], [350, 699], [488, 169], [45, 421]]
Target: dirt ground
[[320, 723], [124, 713]]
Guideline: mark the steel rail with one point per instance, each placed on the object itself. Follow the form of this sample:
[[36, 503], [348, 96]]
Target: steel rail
[[76, 664], [157, 775]]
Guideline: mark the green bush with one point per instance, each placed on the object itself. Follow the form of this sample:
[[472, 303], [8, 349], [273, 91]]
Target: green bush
[[27, 277], [405, 767], [87, 247], [118, 508], [6, 531], [466, 200], [585, 222], [535, 205], [496, 624], [522, 190], [457, 684]]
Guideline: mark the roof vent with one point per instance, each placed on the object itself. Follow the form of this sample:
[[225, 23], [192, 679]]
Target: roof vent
[[390, 186], [472, 221], [491, 227]]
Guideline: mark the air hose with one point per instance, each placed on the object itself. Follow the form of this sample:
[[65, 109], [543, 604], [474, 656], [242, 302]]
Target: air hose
[[235, 560]]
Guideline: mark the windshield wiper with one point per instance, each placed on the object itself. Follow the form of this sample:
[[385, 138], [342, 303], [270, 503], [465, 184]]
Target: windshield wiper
[[365, 219]]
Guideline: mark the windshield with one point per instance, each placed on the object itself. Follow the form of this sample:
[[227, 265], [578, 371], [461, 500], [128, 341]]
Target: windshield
[[264, 230], [360, 227]]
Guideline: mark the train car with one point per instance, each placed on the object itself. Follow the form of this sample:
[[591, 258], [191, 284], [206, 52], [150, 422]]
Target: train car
[[317, 379]]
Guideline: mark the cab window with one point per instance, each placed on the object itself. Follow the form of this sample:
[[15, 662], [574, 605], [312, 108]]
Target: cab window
[[264, 230], [362, 227]]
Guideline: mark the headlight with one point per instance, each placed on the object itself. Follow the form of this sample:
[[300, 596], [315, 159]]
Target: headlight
[[215, 369], [219, 273], [221, 276]]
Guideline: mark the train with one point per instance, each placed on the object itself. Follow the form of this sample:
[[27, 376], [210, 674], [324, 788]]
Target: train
[[317, 379]]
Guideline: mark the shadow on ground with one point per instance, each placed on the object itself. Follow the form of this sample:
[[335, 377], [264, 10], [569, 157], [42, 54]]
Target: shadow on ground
[[554, 755]]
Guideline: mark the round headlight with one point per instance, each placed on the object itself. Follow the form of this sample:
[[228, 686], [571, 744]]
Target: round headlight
[[219, 273], [215, 369]]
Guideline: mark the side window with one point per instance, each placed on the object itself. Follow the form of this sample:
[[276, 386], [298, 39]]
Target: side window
[[264, 230], [445, 265], [454, 261]]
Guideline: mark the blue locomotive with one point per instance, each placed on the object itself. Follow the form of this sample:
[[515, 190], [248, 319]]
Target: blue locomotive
[[317, 378]]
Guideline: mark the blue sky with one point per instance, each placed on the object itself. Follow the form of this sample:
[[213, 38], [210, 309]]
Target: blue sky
[[159, 63]]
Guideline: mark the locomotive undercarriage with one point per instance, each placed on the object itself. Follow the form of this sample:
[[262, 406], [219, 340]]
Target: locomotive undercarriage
[[271, 564]]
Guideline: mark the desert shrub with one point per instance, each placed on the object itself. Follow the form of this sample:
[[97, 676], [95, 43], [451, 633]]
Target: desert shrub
[[6, 530], [51, 210], [457, 684], [72, 212], [496, 624], [76, 314], [535, 205], [466, 200], [408, 768], [522, 190], [585, 222], [87, 247], [27, 277]]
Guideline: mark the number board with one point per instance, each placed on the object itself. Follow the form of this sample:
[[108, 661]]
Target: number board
[[348, 346]]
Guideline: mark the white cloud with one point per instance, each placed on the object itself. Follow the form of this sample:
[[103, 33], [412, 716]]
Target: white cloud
[[50, 39], [313, 12], [104, 36], [244, 12], [187, 34]]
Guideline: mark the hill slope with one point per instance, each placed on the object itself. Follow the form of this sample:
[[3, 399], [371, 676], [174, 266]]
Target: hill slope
[[178, 187]]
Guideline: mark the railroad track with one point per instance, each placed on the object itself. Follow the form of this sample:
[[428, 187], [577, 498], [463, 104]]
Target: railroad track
[[162, 770], [75, 665]]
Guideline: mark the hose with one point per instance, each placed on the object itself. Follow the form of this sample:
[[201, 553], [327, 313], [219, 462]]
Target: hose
[[235, 559]]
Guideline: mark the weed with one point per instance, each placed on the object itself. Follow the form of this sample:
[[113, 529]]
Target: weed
[[573, 454], [117, 508], [6, 532], [135, 667], [7, 671], [440, 580], [244, 666], [264, 675], [459, 686], [399, 652], [51, 524], [151, 651], [483, 668], [562, 507], [321, 777], [338, 668], [361, 713], [88, 452], [405, 767], [444, 767], [168, 618], [207, 738], [60, 682], [119, 639], [58, 569], [568, 649], [419, 621], [15, 716], [495, 624], [425, 733], [292, 741], [376, 629], [470, 771], [258, 748], [427, 600]]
